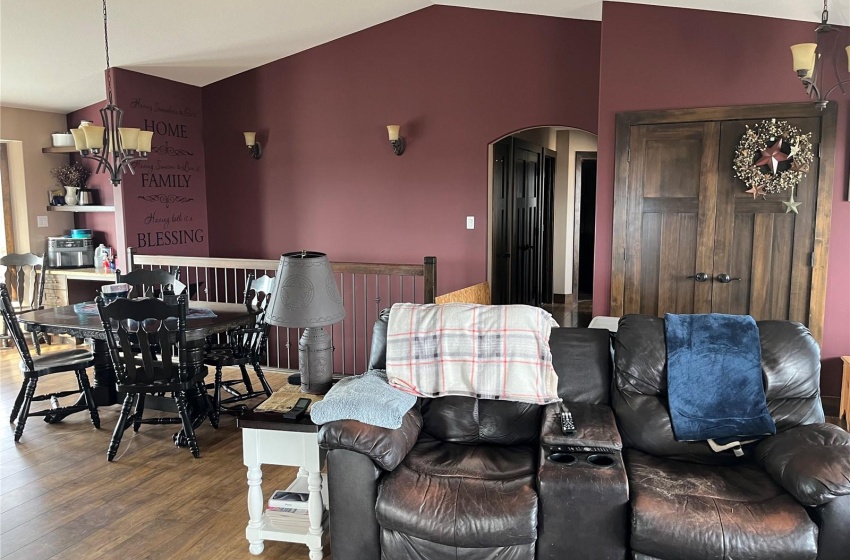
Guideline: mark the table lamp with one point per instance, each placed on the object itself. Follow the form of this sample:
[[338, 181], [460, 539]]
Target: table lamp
[[306, 296]]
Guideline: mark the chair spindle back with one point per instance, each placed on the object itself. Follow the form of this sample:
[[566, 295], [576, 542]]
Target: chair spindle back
[[11, 320], [24, 278], [145, 327]]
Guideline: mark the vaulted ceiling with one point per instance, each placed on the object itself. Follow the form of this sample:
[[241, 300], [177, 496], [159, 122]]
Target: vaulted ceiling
[[52, 58]]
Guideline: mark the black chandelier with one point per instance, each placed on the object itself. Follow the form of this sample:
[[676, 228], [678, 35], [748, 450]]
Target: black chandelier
[[112, 146], [807, 60]]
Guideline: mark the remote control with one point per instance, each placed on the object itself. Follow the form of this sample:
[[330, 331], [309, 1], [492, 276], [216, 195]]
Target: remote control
[[567, 425], [298, 411]]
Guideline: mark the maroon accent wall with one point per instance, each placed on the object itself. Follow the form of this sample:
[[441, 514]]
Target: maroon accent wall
[[165, 201], [664, 58], [455, 79]]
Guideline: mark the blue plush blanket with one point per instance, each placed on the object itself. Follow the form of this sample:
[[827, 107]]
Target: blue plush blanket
[[367, 398], [714, 378]]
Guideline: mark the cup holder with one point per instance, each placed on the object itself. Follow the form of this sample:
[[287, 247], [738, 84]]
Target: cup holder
[[563, 458], [600, 460]]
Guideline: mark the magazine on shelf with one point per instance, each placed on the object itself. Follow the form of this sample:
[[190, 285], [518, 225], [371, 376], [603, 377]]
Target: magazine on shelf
[[288, 499]]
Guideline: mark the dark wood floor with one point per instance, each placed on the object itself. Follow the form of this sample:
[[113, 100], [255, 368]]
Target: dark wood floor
[[60, 498]]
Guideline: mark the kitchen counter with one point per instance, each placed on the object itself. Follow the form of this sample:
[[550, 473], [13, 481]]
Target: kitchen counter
[[83, 274], [63, 286]]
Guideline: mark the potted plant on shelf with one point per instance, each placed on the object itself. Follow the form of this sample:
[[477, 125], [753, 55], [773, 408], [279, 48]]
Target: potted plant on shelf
[[72, 177]]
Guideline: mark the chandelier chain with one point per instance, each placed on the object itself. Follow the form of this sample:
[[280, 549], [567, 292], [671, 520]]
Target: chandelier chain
[[824, 15], [106, 45]]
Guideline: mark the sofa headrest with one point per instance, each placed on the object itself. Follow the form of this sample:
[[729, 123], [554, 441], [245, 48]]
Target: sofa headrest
[[582, 360], [790, 369]]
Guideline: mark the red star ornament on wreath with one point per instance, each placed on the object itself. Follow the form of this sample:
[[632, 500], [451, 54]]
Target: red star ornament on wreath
[[772, 156], [756, 191]]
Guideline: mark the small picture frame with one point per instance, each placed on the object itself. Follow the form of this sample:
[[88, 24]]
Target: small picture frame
[[56, 197]]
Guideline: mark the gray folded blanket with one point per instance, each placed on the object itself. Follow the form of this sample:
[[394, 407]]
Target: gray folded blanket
[[367, 398]]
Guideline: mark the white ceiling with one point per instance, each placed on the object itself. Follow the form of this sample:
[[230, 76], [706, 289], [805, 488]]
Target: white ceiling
[[51, 51]]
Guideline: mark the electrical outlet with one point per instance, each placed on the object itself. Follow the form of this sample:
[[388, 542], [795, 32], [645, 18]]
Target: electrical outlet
[[41, 221], [470, 222]]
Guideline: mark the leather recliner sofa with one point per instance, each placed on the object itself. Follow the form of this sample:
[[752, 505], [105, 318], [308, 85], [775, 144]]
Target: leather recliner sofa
[[787, 498], [481, 479]]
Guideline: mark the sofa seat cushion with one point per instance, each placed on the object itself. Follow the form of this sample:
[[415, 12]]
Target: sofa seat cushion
[[462, 495], [690, 511]]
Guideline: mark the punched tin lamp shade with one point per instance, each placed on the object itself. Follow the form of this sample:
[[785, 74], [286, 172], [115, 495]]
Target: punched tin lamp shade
[[307, 296]]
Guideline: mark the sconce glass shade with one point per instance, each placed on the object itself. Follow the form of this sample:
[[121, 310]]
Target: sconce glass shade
[[306, 294], [804, 57], [79, 135], [144, 138], [392, 131], [847, 48], [94, 136], [129, 138], [250, 138]]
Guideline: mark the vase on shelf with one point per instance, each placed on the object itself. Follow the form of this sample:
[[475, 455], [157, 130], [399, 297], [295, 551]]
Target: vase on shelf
[[71, 195]]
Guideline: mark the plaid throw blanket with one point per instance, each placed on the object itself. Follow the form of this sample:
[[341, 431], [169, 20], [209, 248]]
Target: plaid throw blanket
[[483, 351]]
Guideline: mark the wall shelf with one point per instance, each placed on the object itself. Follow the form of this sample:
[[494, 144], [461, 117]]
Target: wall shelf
[[59, 150], [90, 208]]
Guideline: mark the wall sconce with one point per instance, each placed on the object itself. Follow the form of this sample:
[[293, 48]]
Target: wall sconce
[[396, 140], [254, 146]]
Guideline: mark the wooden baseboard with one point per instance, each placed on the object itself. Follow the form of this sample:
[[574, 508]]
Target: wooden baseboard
[[830, 405]]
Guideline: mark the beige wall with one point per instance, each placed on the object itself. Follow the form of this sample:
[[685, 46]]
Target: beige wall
[[569, 142], [580, 141], [27, 132], [562, 206]]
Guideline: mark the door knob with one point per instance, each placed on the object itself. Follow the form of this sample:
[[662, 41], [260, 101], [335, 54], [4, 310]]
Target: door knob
[[725, 278], [700, 277]]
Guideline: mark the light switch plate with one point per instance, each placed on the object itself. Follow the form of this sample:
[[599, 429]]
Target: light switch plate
[[41, 221], [470, 222]]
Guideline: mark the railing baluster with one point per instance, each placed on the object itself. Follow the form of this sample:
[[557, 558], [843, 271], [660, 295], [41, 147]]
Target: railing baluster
[[351, 337]]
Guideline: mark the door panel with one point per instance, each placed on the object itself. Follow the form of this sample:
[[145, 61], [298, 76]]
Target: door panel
[[671, 228], [501, 257], [769, 249], [525, 262]]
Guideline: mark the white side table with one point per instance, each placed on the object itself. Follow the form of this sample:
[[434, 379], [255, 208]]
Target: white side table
[[267, 439]]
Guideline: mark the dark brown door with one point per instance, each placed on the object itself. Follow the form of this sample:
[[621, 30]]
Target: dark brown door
[[765, 252], [688, 239], [500, 284], [525, 253], [671, 225], [523, 191]]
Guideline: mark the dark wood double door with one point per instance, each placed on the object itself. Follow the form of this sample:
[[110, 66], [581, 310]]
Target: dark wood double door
[[522, 218], [688, 239]]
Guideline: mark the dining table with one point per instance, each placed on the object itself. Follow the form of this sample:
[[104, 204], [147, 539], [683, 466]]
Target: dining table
[[81, 320]]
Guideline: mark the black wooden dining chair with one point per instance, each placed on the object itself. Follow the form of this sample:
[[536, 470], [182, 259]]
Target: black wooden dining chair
[[133, 328], [246, 345], [24, 275], [151, 282], [35, 367]]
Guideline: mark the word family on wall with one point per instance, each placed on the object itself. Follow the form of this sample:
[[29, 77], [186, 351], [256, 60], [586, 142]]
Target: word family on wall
[[169, 205]]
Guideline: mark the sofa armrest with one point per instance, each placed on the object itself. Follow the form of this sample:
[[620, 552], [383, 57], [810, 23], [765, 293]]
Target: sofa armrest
[[582, 487], [386, 447], [596, 428], [811, 462]]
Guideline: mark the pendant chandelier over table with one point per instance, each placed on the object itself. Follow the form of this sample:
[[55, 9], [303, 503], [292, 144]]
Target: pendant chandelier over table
[[112, 146]]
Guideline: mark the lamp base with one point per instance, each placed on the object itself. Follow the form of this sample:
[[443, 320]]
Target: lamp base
[[315, 361]]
